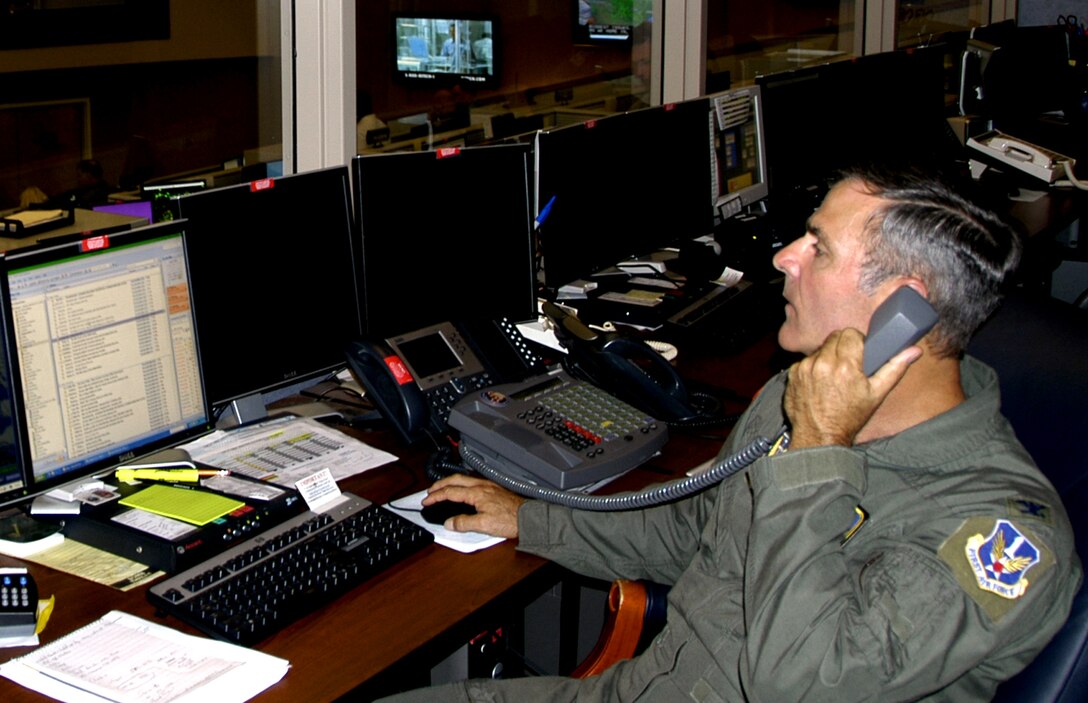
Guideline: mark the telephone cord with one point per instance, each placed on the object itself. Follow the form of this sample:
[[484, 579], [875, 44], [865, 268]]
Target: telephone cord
[[647, 497]]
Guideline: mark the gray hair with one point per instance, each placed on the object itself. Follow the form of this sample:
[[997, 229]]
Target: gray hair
[[963, 252]]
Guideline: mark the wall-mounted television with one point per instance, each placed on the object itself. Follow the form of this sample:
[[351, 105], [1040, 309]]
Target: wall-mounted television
[[447, 49], [606, 21]]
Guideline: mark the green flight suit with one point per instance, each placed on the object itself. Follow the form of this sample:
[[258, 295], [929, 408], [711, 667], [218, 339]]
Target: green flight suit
[[771, 602]]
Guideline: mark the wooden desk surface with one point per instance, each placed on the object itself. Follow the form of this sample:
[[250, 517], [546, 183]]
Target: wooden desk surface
[[436, 594]]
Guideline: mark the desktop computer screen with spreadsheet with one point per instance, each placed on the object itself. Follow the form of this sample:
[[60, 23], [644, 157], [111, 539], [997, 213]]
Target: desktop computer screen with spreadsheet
[[273, 278], [622, 186], [107, 366]]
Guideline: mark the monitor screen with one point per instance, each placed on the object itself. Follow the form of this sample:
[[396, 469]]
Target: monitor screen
[[107, 352], [899, 117], [739, 159], [609, 20], [164, 196], [136, 208], [446, 235], [444, 49], [622, 186], [273, 280], [13, 483]]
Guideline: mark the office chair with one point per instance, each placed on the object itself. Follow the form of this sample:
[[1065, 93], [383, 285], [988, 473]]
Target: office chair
[[1039, 348]]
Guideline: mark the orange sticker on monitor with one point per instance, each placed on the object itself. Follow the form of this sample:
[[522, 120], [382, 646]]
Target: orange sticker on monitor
[[95, 243]]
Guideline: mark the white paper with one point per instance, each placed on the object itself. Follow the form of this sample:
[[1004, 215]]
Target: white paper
[[127, 659], [286, 450], [466, 542]]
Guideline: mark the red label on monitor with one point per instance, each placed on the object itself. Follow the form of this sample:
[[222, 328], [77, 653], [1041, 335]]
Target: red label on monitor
[[590, 124], [670, 107], [95, 243], [447, 151], [398, 369], [263, 184]]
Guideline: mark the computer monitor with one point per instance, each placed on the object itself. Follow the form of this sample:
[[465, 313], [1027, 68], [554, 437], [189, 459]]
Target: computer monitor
[[739, 158], [609, 21], [888, 108], [622, 186], [136, 208], [13, 482], [446, 235], [271, 265], [444, 49], [107, 364], [164, 196]]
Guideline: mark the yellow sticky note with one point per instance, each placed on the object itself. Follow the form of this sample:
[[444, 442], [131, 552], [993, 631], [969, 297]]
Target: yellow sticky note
[[196, 507]]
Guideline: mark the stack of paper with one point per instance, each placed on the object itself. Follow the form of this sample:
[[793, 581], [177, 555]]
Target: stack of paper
[[126, 659]]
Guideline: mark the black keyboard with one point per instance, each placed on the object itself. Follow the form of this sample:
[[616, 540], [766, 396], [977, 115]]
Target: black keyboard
[[707, 304], [258, 587]]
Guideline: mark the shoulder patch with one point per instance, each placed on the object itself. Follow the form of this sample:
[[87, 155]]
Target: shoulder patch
[[995, 561]]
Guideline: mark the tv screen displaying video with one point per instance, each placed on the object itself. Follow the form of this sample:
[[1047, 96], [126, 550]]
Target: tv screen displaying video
[[446, 50]]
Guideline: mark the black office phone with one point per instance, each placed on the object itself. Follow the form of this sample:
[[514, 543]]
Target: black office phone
[[415, 378]]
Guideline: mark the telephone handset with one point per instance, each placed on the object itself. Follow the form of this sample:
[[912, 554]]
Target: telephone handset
[[415, 378], [624, 366], [900, 321]]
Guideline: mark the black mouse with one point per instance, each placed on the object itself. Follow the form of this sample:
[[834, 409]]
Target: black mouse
[[438, 513]]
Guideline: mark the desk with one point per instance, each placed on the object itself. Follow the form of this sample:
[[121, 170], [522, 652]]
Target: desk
[[437, 598], [86, 221]]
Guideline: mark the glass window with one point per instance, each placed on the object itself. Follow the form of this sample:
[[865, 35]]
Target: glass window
[[744, 40], [135, 91], [487, 71]]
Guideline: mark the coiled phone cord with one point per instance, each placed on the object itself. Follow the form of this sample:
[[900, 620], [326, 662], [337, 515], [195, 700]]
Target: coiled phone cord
[[652, 495]]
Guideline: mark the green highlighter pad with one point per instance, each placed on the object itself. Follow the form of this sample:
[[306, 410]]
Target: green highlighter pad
[[196, 507]]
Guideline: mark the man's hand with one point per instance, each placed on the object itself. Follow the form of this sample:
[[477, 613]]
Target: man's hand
[[829, 399], [496, 507]]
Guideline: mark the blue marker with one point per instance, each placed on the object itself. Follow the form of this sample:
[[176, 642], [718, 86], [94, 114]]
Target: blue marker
[[544, 212]]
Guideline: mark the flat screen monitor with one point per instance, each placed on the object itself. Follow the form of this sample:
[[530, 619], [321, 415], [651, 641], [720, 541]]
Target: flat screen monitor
[[446, 49], [136, 208], [107, 363], [14, 485], [164, 196], [888, 108], [273, 279], [739, 157], [622, 186], [607, 21], [446, 235]]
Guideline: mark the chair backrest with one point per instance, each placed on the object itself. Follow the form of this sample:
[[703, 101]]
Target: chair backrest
[[1039, 348]]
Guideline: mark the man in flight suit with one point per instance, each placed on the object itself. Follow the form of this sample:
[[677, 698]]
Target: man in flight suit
[[903, 547]]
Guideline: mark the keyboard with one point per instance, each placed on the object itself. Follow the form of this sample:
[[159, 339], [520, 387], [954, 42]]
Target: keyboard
[[707, 304], [260, 586]]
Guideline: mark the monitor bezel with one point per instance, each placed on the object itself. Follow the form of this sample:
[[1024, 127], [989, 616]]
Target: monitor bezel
[[366, 286], [87, 246], [246, 393], [728, 204]]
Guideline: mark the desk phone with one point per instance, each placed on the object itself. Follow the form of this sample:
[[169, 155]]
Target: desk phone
[[557, 430]]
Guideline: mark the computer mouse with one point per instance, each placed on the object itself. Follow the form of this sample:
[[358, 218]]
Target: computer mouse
[[438, 513]]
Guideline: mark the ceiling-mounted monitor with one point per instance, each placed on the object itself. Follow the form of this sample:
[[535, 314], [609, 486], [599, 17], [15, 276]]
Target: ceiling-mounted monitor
[[447, 49]]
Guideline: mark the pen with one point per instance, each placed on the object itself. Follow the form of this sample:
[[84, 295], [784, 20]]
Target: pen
[[190, 475], [544, 212]]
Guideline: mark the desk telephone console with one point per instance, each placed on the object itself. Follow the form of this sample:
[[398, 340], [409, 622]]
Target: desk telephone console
[[414, 378]]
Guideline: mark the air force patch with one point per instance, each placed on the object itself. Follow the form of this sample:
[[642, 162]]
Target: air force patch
[[1001, 561], [992, 559]]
